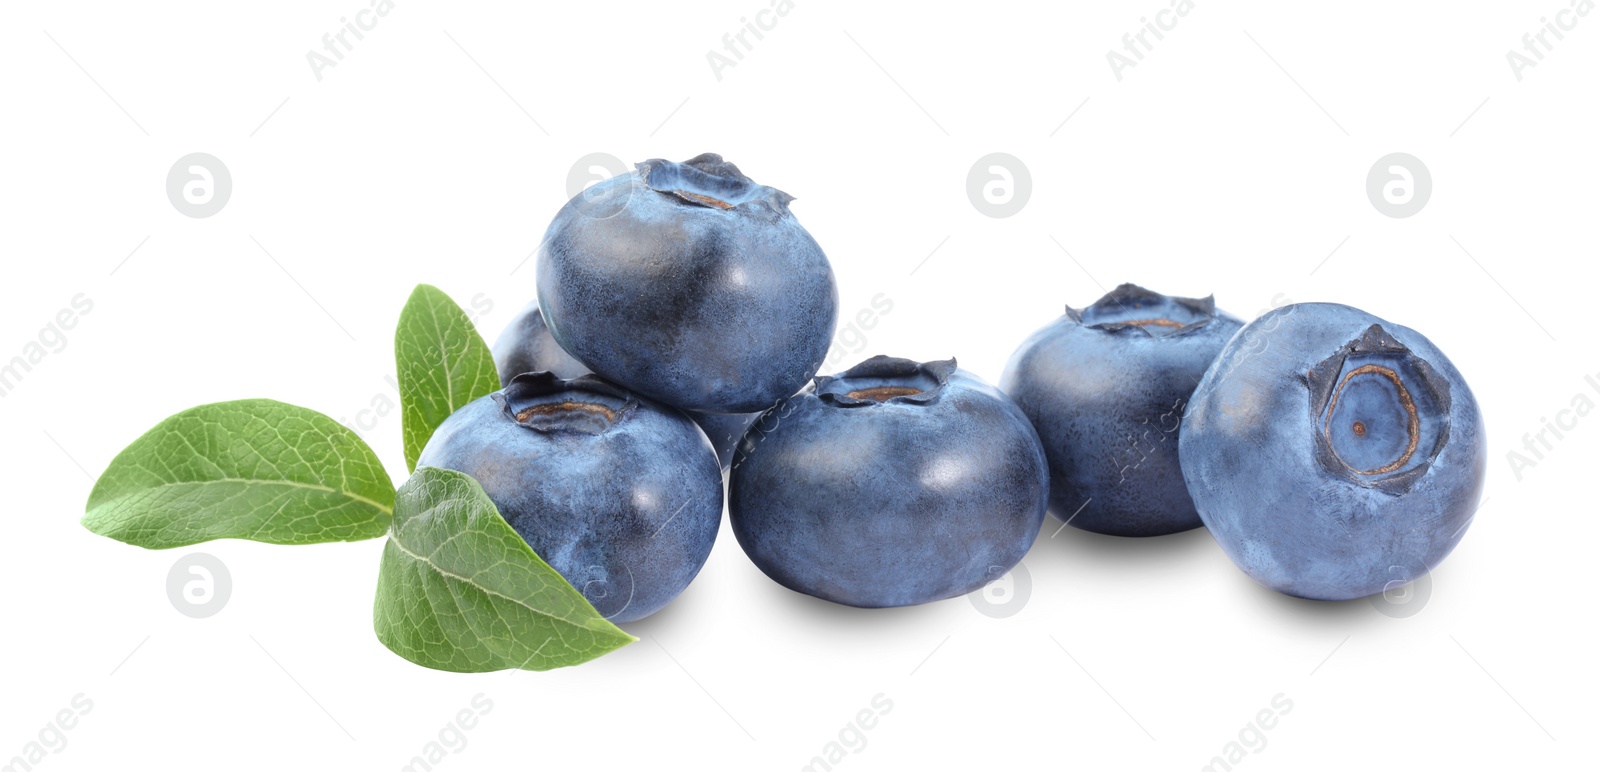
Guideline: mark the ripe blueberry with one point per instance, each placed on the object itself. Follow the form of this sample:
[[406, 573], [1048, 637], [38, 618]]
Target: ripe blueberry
[[1105, 386], [1332, 454], [691, 284], [619, 494], [890, 484]]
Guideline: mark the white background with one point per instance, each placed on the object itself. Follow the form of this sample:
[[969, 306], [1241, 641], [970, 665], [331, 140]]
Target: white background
[[1232, 159]]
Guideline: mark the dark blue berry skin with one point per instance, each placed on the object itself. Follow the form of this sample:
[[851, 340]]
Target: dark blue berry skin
[[619, 494], [1105, 386], [526, 346], [1332, 454], [725, 430], [691, 284], [891, 484]]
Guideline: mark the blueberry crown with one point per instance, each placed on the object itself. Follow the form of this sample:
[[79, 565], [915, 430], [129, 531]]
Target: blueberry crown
[[884, 379], [707, 180], [543, 402], [1131, 309]]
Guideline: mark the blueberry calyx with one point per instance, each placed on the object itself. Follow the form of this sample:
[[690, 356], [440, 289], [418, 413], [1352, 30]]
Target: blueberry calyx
[[1131, 309], [1380, 413], [708, 181], [885, 379], [544, 402]]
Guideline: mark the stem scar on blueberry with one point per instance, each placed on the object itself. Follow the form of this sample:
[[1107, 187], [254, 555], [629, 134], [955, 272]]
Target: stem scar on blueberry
[[707, 200], [1380, 413], [1413, 424], [561, 407], [881, 393]]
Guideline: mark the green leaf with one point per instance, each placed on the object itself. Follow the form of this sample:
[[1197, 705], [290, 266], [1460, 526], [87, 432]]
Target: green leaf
[[442, 364], [459, 590], [253, 469]]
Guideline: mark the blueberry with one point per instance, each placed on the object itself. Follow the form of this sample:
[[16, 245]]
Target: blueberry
[[1105, 386], [619, 494], [691, 284], [526, 346], [1333, 454], [890, 484]]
